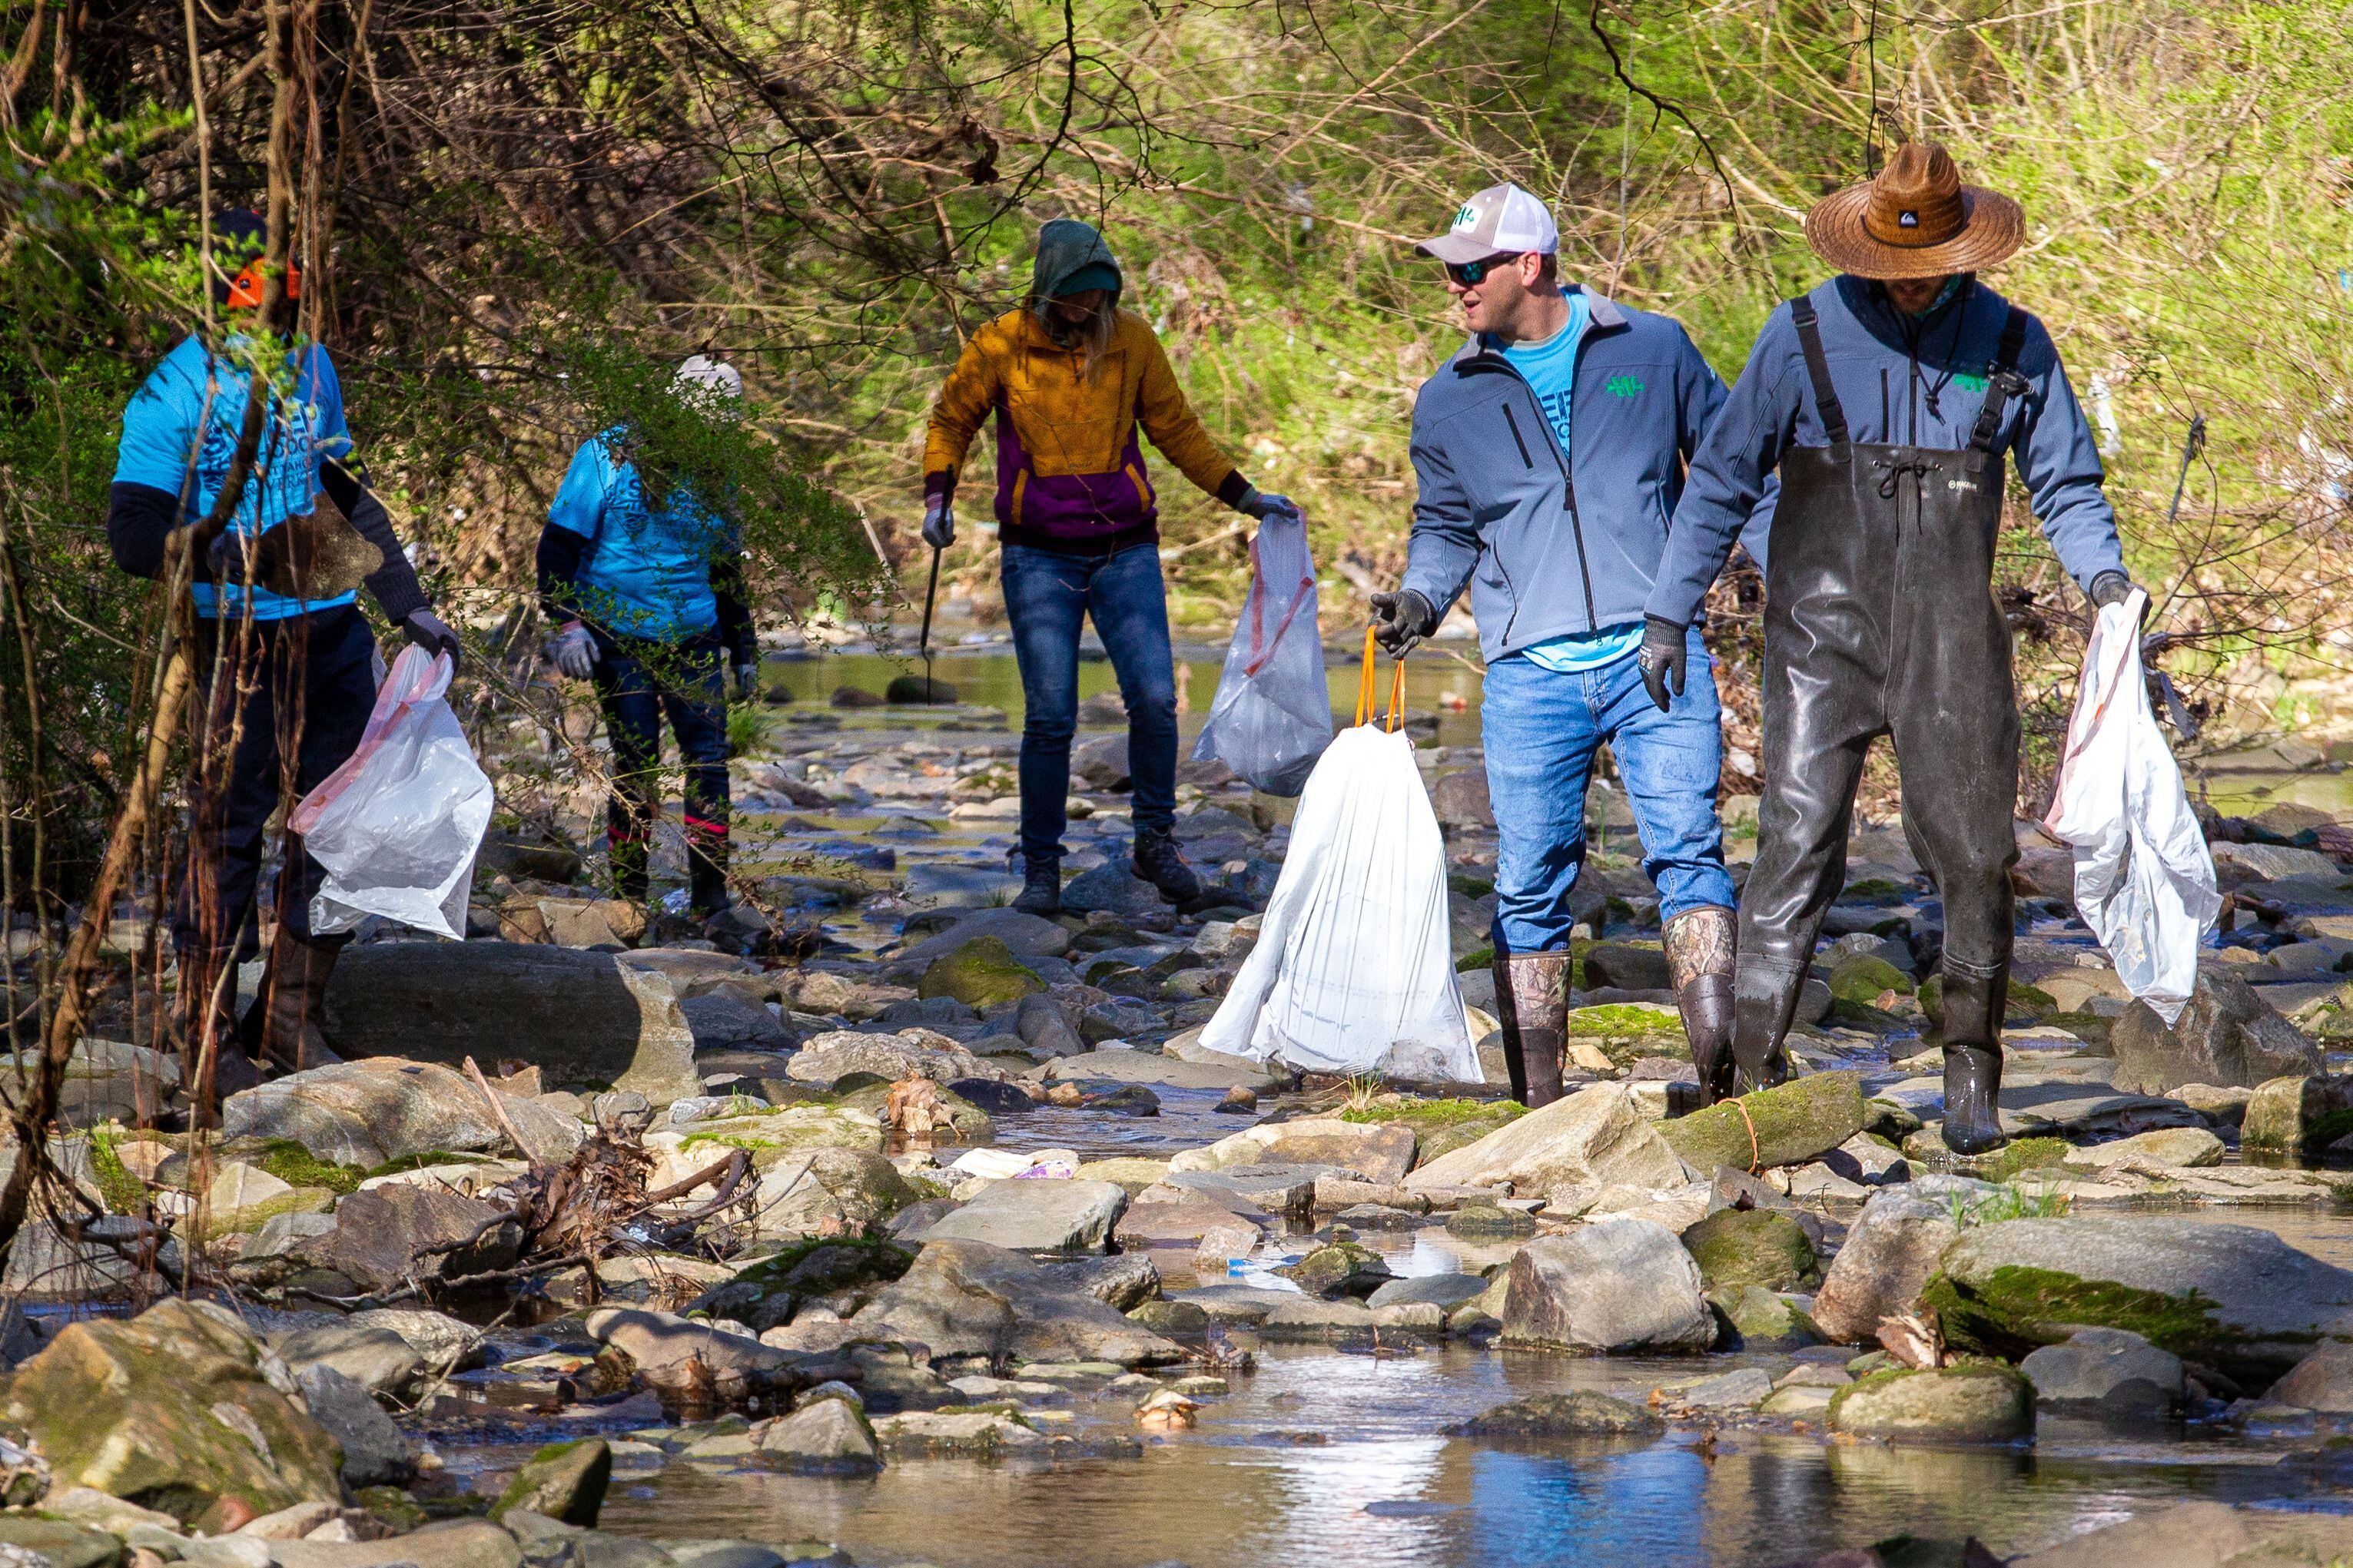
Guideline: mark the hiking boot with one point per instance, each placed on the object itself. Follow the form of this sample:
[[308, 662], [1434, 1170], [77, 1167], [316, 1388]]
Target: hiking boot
[[1041, 888], [284, 1019], [1531, 994], [1699, 944], [1973, 1010], [1159, 863]]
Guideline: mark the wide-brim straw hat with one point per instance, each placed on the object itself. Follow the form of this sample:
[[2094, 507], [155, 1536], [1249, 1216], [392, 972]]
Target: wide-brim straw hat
[[1915, 220]]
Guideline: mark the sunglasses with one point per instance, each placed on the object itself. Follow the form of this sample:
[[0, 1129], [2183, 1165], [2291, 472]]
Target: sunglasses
[[1471, 274]]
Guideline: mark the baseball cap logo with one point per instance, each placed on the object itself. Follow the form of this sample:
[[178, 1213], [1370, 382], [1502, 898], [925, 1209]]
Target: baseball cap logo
[[1907, 218], [1467, 217]]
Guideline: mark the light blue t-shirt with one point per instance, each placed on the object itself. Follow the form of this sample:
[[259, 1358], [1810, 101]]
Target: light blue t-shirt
[[1550, 369], [644, 573], [179, 434]]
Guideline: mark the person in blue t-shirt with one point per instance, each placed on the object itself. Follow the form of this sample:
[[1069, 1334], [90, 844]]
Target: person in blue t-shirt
[[289, 673], [648, 598], [1550, 452]]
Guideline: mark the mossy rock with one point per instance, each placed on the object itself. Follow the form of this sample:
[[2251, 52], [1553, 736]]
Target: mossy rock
[[1799, 1120], [1132, 1172], [822, 1266], [1752, 1247], [1425, 1116], [1581, 1414], [983, 974], [2025, 1004], [788, 1130], [1172, 1320], [1489, 1221], [2021, 1154], [1889, 1122], [1763, 1319], [1453, 1135], [1477, 959], [1626, 1021], [1863, 979], [1339, 1268], [1974, 1401], [60, 1544], [566, 1481]]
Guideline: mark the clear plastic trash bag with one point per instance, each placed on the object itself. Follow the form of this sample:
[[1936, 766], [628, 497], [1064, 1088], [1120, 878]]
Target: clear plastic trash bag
[[2144, 878], [396, 827], [1354, 970], [1272, 716]]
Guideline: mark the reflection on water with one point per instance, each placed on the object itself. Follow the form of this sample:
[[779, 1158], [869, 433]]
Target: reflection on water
[[1323, 1458]]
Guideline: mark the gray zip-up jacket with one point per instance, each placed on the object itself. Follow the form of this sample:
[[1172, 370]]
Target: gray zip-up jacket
[[1552, 541]]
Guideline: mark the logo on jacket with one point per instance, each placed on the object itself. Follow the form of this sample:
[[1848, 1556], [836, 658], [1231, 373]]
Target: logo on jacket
[[1623, 385]]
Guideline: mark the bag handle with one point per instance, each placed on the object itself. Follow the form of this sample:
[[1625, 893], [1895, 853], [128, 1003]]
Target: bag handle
[[1366, 712]]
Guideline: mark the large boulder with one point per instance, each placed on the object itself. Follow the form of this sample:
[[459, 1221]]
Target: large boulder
[[174, 1410], [1766, 1247], [1025, 935], [2204, 1535], [1596, 1135], [827, 1191], [2106, 1372], [1581, 1412], [2230, 1295], [1891, 1250], [2322, 1381], [769, 1137], [829, 1436], [682, 1359], [967, 1298], [579, 1017], [375, 1452], [1380, 1153], [1801, 1121], [1037, 1216], [1977, 1402], [563, 1481], [2227, 1035], [368, 1112], [2298, 1115], [1616, 1285], [983, 974], [387, 1235], [837, 1053]]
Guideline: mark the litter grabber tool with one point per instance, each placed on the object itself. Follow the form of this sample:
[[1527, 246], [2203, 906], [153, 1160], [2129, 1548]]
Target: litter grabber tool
[[924, 640], [1354, 970], [2161, 693]]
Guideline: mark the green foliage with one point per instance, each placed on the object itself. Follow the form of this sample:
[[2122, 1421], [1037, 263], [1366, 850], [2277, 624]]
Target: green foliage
[[296, 1167], [123, 1192]]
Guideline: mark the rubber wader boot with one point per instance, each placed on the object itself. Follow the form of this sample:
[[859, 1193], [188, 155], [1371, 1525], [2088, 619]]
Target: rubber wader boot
[[1699, 967], [294, 1000], [1880, 619], [1041, 888], [1531, 994], [1974, 1005]]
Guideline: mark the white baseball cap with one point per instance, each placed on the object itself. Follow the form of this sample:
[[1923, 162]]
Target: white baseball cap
[[1502, 220], [705, 377]]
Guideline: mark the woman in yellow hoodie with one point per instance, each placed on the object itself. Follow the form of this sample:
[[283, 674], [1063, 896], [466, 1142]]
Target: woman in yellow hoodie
[[1070, 378]]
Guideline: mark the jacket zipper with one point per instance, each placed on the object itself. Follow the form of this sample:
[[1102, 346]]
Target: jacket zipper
[[1567, 487]]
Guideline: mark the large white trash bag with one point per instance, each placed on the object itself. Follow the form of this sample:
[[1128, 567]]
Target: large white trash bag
[[1353, 971], [396, 827], [1272, 716], [2144, 878]]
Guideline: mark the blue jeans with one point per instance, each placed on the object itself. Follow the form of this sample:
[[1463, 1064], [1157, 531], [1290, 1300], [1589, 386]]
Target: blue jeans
[[638, 682], [1541, 731], [1046, 593]]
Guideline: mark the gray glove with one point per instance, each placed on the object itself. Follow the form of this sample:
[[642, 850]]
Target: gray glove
[[1402, 619], [1262, 504], [939, 522], [1662, 660], [573, 651], [431, 633]]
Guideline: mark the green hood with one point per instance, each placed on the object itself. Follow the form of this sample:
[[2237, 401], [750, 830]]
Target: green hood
[[1064, 246]]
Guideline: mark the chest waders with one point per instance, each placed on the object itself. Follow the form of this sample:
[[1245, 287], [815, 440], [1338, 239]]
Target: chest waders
[[1880, 620]]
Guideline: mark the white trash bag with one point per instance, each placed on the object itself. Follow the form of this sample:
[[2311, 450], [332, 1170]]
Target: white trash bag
[[2144, 878], [1354, 970], [1272, 716], [396, 827]]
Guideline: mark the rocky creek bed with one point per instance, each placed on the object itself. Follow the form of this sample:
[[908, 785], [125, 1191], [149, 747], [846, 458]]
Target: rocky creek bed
[[922, 1231]]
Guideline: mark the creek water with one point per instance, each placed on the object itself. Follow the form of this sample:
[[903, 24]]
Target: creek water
[[1330, 1457]]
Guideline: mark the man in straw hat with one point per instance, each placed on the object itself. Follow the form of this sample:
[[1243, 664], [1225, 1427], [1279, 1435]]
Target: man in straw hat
[[1556, 522], [1884, 400]]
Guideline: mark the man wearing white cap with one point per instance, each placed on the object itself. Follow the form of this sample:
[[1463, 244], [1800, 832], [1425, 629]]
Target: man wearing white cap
[[1556, 524]]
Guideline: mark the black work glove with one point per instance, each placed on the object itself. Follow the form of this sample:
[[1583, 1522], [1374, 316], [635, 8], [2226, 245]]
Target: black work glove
[[2114, 588], [1402, 619], [430, 632], [1661, 660]]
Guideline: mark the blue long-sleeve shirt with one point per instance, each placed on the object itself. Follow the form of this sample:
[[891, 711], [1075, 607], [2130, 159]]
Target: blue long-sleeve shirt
[[1914, 381]]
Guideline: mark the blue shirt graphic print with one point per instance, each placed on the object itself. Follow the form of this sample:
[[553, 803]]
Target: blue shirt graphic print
[[645, 572], [179, 435]]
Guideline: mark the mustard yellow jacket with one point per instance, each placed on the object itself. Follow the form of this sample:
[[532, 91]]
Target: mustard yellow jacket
[[1070, 472]]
